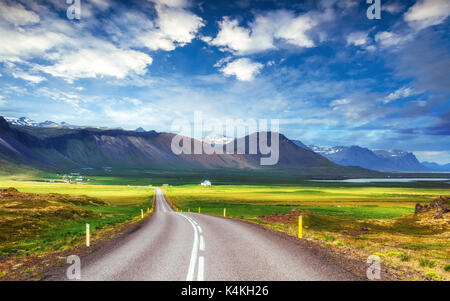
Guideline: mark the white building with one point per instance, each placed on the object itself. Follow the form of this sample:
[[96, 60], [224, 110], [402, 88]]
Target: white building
[[205, 183]]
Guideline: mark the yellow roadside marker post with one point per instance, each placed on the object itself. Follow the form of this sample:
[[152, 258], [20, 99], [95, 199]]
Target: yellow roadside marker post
[[224, 212], [198, 209], [148, 210], [189, 210], [300, 227], [88, 238], [142, 213]]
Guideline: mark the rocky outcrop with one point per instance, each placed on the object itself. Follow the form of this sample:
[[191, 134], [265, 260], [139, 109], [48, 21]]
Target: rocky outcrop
[[441, 205]]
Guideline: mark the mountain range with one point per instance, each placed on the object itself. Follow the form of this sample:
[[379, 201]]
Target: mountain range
[[380, 160], [55, 145], [60, 148]]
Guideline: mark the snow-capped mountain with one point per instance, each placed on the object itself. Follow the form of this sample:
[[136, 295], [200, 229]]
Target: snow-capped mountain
[[382, 160], [216, 139], [25, 121], [139, 130]]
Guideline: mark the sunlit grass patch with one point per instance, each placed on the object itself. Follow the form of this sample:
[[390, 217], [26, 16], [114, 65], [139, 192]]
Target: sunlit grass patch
[[35, 222]]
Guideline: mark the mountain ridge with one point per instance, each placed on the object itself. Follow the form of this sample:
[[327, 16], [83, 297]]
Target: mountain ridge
[[380, 160], [94, 148]]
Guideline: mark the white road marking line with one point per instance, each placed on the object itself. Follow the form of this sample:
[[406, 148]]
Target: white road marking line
[[193, 261], [199, 229], [201, 268], [202, 243]]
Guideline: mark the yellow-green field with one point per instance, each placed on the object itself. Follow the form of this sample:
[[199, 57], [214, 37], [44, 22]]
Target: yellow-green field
[[45, 217], [113, 194], [251, 201]]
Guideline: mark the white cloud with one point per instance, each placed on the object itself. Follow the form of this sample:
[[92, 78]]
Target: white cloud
[[241, 40], [17, 45], [263, 32], [68, 97], [171, 3], [387, 39], [357, 38], [134, 101], [400, 93], [392, 8], [2, 101], [175, 27], [106, 60], [35, 79], [425, 13], [339, 102], [244, 69], [440, 157], [16, 14]]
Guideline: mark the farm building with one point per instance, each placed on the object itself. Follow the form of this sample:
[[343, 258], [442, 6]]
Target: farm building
[[206, 183]]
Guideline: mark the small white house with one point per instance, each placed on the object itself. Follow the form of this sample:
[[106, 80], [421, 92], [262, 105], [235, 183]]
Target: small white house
[[205, 183]]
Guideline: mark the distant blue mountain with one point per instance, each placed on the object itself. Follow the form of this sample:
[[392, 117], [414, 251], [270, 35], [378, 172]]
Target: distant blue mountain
[[380, 160], [437, 167]]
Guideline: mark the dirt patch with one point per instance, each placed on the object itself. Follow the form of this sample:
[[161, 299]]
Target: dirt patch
[[283, 219], [440, 206], [361, 231]]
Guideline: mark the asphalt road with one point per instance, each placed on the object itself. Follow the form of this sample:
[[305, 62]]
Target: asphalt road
[[190, 246]]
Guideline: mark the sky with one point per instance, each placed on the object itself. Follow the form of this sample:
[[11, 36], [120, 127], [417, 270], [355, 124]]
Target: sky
[[331, 75]]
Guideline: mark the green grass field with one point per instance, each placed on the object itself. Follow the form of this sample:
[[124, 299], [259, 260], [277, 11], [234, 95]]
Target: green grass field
[[41, 224], [253, 201]]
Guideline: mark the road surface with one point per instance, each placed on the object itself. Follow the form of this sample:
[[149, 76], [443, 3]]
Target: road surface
[[189, 246]]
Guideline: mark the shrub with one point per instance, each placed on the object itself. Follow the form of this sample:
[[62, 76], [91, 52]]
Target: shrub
[[401, 255], [424, 262], [329, 237], [433, 275], [405, 257], [381, 255], [446, 267]]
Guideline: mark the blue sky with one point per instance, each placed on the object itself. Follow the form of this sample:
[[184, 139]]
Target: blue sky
[[331, 75]]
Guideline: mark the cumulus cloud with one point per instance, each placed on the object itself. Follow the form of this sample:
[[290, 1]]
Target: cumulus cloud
[[175, 27], [16, 14], [98, 62], [244, 69], [264, 31], [425, 13], [18, 45]]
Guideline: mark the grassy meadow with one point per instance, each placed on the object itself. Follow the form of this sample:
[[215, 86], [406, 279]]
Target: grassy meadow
[[252, 201], [51, 217]]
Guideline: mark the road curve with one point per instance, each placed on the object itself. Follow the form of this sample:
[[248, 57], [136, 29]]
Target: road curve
[[189, 246]]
